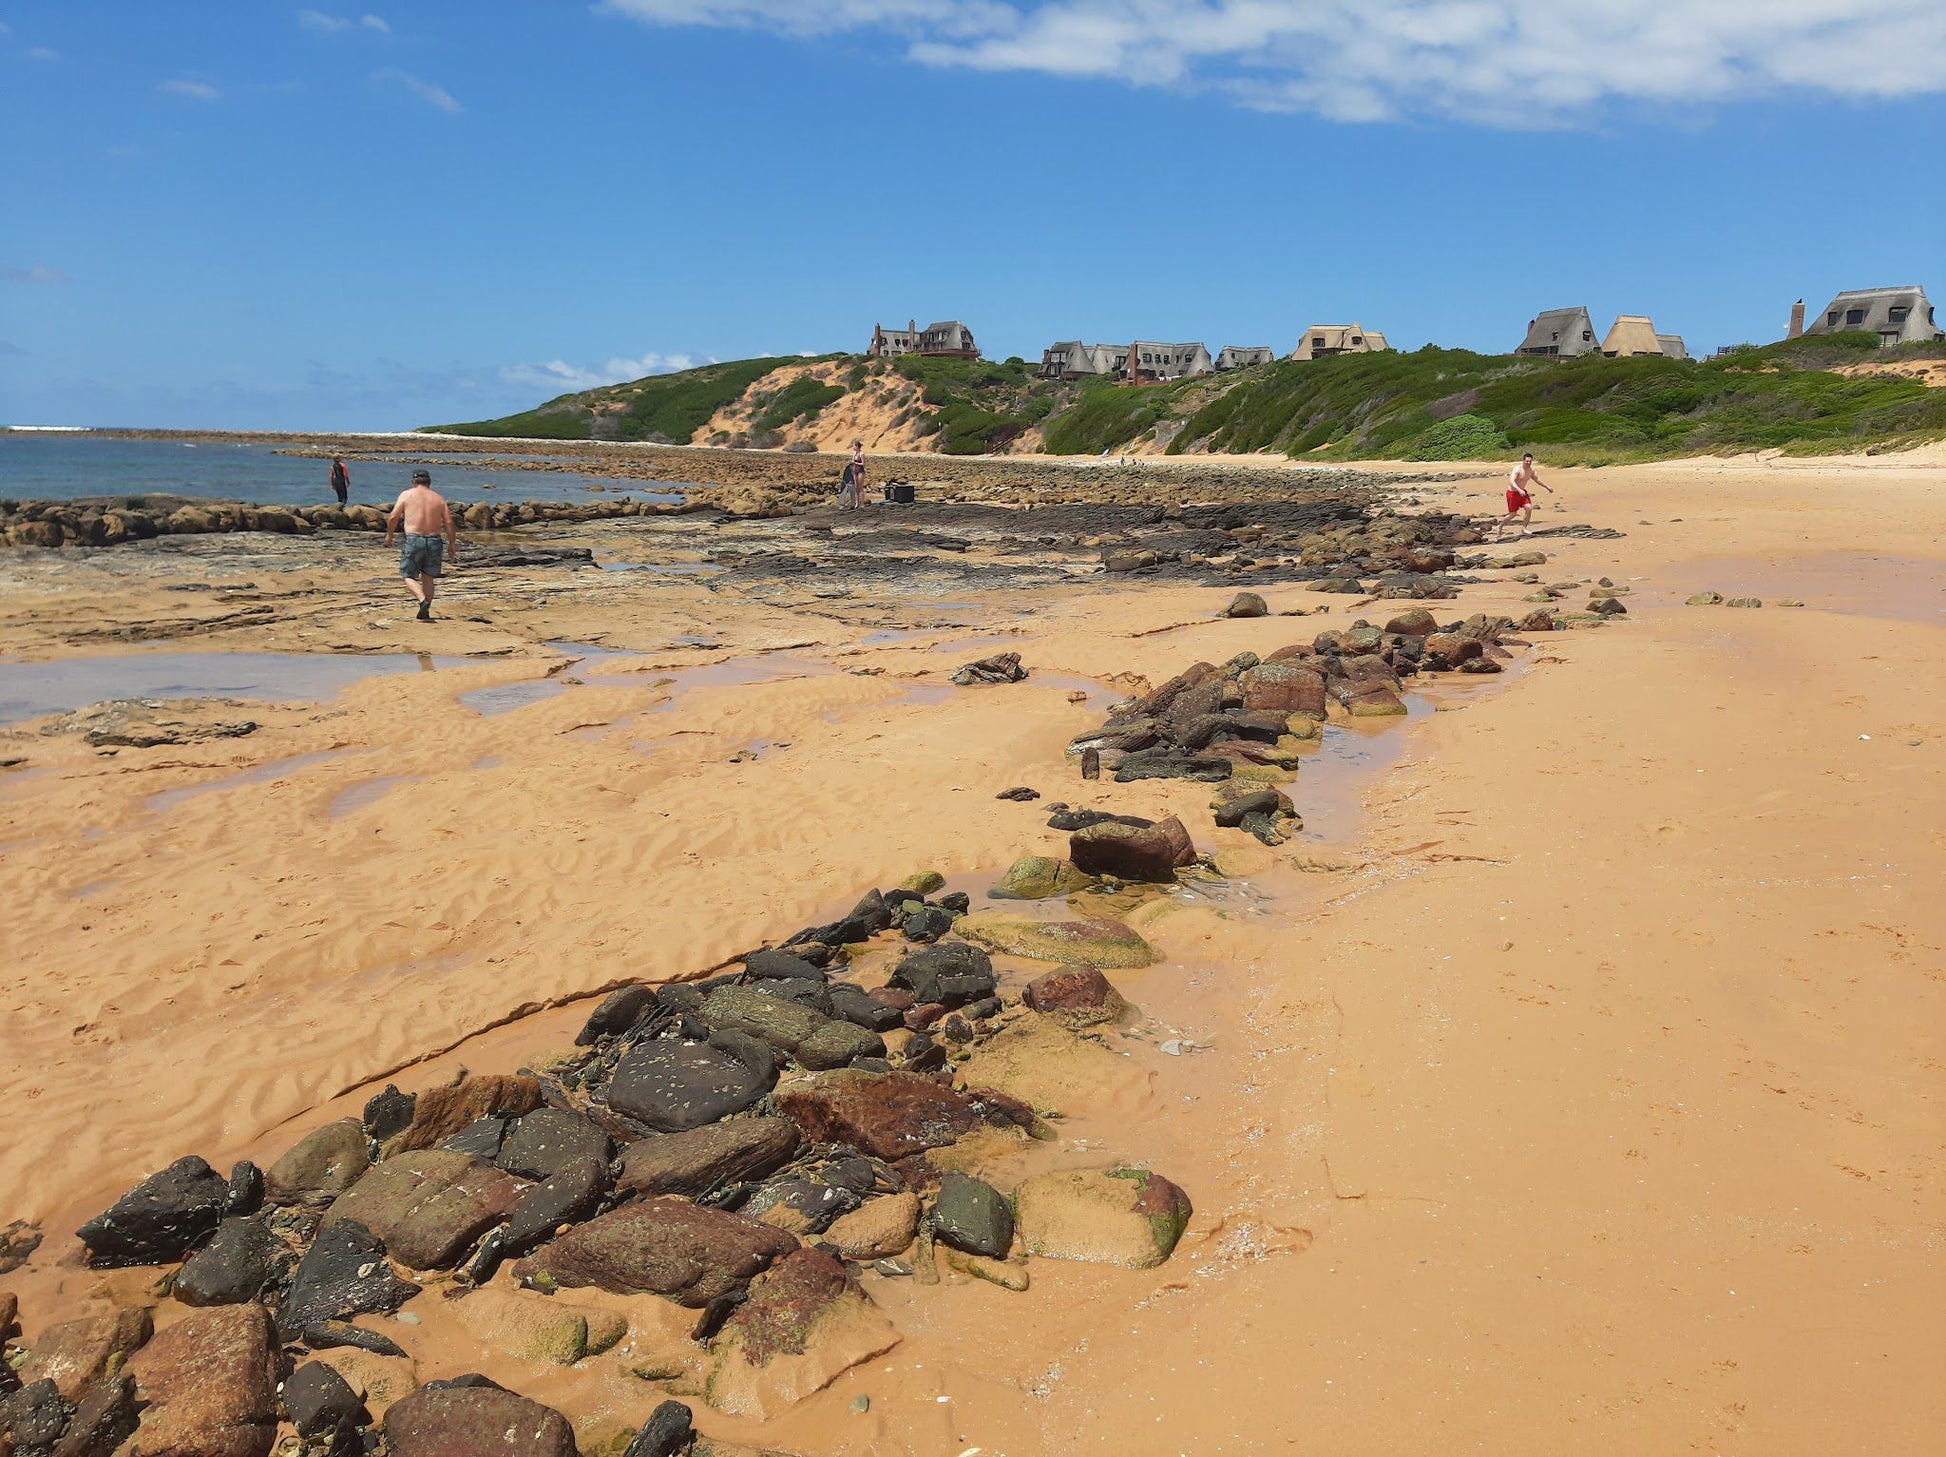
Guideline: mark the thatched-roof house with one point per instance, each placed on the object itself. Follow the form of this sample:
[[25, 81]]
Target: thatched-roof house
[[1631, 334], [950, 339], [1896, 315], [1559, 334], [1071, 359], [1235, 356], [1673, 346], [1322, 340], [1152, 361]]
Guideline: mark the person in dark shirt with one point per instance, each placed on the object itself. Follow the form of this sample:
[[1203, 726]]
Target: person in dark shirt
[[340, 480]]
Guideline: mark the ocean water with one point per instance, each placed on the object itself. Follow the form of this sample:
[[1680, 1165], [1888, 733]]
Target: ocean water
[[56, 466]]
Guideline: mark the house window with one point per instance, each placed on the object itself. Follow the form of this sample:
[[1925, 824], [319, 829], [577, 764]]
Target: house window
[[1831, 319], [1854, 316], [1356, 340], [1898, 313]]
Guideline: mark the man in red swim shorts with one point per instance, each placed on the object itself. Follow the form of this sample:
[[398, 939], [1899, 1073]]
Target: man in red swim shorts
[[1520, 501]]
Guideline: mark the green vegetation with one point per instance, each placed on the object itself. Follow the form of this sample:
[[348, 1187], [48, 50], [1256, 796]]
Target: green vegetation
[[1432, 404]]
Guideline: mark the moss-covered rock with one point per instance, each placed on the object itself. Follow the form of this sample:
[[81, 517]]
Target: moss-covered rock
[[1127, 1217], [1037, 877], [1079, 943]]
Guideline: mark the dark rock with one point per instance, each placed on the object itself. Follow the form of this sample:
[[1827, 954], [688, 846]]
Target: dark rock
[[210, 1381], [771, 1020], [667, 1433], [1080, 819], [35, 1416], [1091, 763], [388, 1113], [549, 1140], [1127, 853], [619, 1011], [924, 973], [671, 1086], [344, 1273], [321, 1404], [568, 1194], [973, 1216], [104, 1419], [1020, 794], [1263, 828], [18, 1241], [320, 1166], [927, 923], [429, 1206], [800, 1206], [1171, 764], [780, 966], [246, 1195], [702, 1160], [1539, 620], [887, 1115], [1612, 606], [242, 1261], [481, 1138], [836, 1044], [161, 1219], [1265, 801], [813, 996], [1246, 604], [663, 1246], [325, 1335], [681, 998], [956, 901], [861, 1010], [1000, 668], [472, 1421]]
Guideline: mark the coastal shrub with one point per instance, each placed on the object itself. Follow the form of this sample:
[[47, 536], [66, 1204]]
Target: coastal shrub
[[1464, 437], [1109, 415], [796, 400]]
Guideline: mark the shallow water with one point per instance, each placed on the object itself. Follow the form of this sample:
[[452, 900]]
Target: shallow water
[[60, 467], [168, 799], [33, 690], [1860, 584]]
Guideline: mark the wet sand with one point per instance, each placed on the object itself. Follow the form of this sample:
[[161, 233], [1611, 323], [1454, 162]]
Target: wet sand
[[1583, 1094]]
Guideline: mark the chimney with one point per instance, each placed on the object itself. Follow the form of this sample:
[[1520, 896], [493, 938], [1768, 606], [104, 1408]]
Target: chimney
[[1797, 320]]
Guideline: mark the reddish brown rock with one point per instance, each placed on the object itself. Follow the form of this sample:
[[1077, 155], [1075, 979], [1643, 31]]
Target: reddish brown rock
[[76, 1354], [702, 1159], [429, 1206], [1284, 686], [475, 1421], [665, 1246], [439, 1113], [887, 1115], [210, 1382], [1449, 650], [1129, 853], [1075, 996], [806, 1322]]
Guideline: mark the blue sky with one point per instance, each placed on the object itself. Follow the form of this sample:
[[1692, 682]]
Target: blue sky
[[253, 215]]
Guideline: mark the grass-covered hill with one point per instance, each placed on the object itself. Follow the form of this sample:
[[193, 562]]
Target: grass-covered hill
[[1807, 395]]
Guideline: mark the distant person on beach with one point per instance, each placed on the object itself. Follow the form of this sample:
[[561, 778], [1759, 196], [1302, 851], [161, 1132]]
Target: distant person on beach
[[852, 493], [429, 535], [340, 480], [1520, 500]]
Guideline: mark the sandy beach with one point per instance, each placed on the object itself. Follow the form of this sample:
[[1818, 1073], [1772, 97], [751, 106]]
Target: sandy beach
[[1575, 1083]]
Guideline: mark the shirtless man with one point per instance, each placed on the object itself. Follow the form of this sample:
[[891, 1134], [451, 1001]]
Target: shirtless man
[[424, 513], [1520, 501]]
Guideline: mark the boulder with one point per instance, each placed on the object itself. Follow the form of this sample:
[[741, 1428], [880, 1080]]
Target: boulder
[[1126, 1217], [1037, 877], [780, 966], [663, 1246], [667, 1433], [877, 1229], [549, 1140], [1371, 700], [858, 1007], [320, 1166], [1080, 943], [388, 1113], [1231, 811], [439, 1113], [695, 1162], [836, 1044], [322, 1406], [619, 1010], [242, 1261], [801, 1207], [475, 1421], [670, 1086], [481, 1138], [428, 1206], [1171, 763], [1152, 854], [805, 1324], [571, 1194], [1539, 620], [76, 1354], [949, 974], [1075, 996], [1613, 606], [1445, 650], [887, 1115], [1000, 668], [972, 1215], [161, 1219], [33, 1418], [1246, 604], [378, 1381], [1416, 623], [102, 1420], [926, 923], [781, 1024], [344, 1273], [813, 995], [532, 1327], [210, 1382]]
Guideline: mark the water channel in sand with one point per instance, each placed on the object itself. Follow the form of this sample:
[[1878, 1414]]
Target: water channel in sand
[[34, 690]]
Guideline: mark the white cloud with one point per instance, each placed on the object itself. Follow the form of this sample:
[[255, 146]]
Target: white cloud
[[194, 90], [38, 273], [1505, 62], [42, 53], [326, 24], [432, 95], [560, 376]]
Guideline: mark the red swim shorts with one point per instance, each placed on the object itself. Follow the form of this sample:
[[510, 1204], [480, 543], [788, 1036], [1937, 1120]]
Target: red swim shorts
[[1517, 500]]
